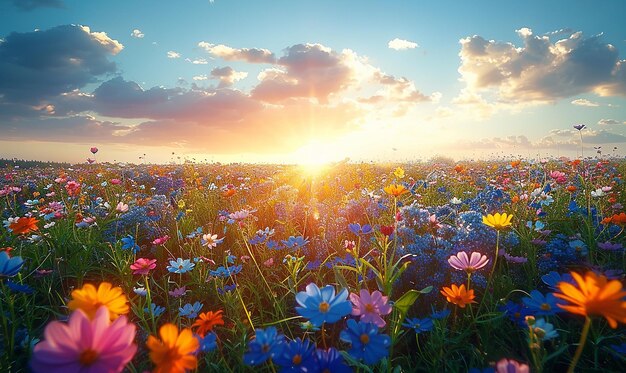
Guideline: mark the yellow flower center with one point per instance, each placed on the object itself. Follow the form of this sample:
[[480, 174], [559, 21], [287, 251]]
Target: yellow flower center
[[369, 308], [545, 307], [88, 357], [297, 359], [324, 307], [365, 339]]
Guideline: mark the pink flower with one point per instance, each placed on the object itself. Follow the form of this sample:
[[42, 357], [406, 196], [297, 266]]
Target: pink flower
[[461, 262], [161, 240], [94, 150], [116, 181], [121, 207], [370, 307], [142, 266], [511, 366], [84, 345], [73, 188], [178, 292]]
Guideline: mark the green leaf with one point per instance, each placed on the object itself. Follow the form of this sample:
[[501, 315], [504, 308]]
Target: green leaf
[[406, 301]]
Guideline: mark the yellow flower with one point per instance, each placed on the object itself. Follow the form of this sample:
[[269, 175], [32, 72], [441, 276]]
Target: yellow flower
[[181, 204], [595, 295], [174, 352], [395, 190], [399, 173], [89, 299], [498, 221]]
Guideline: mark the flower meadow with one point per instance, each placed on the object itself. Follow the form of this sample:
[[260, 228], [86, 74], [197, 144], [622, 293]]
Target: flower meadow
[[501, 266]]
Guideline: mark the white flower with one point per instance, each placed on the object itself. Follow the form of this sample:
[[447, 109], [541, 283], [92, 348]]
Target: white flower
[[597, 193], [121, 207], [456, 201]]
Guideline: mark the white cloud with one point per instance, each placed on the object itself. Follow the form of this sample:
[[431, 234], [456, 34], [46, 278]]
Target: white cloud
[[197, 61], [252, 55], [200, 77], [606, 122], [401, 44], [172, 54], [584, 102], [137, 34]]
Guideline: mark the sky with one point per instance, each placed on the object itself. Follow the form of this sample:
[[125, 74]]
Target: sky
[[310, 81]]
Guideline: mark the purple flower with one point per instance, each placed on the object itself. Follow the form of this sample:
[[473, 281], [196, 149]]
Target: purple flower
[[370, 307], [579, 126], [609, 246]]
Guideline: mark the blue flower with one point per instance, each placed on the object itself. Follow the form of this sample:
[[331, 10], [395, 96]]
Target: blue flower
[[579, 246], [265, 345], [295, 242], [180, 266], [208, 343], [419, 325], [156, 310], [357, 229], [322, 305], [297, 356], [540, 305], [225, 272], [9, 267], [544, 330], [128, 242], [553, 278], [189, 310], [516, 312], [366, 343], [438, 315], [331, 361], [19, 288]]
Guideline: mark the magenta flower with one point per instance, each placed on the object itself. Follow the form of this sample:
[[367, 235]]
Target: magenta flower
[[142, 266], [83, 345], [370, 307], [470, 264], [511, 366]]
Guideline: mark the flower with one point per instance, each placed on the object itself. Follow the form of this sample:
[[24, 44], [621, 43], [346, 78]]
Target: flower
[[142, 266], [208, 343], [461, 262], [331, 361], [498, 221], [189, 310], [370, 307], [322, 305], [265, 345], [128, 242], [297, 356], [24, 225], [210, 240], [419, 325], [9, 267], [540, 305], [579, 126], [178, 292], [174, 352], [511, 366], [399, 173], [595, 295], [458, 295], [544, 330], [365, 341], [84, 345], [93, 150], [180, 266], [89, 299], [121, 207], [154, 309], [207, 321], [395, 190], [160, 240]]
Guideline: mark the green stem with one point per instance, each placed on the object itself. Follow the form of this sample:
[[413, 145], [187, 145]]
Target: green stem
[[581, 345]]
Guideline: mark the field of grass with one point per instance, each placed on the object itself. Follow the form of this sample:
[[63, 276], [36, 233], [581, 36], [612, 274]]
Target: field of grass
[[432, 267]]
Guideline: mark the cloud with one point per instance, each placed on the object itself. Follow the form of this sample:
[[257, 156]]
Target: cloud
[[197, 61], [606, 122], [401, 44], [584, 102], [172, 54], [43, 64], [251, 55], [81, 128], [227, 75], [137, 34], [200, 77], [542, 70], [29, 5]]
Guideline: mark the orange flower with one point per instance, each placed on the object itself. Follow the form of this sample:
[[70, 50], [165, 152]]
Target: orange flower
[[228, 192], [515, 199], [24, 225], [458, 295], [516, 163], [575, 162], [619, 219], [395, 190], [571, 188], [174, 352], [207, 320], [89, 299], [459, 168], [595, 295]]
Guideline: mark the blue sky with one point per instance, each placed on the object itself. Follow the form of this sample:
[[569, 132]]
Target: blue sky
[[328, 83]]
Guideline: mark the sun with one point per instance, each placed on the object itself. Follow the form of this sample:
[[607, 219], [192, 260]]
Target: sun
[[316, 156]]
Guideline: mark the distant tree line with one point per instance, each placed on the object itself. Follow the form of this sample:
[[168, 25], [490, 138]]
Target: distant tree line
[[22, 163]]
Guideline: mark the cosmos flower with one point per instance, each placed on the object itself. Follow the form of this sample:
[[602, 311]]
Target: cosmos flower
[[89, 299], [461, 262], [207, 321], [498, 221], [419, 325], [190, 310], [84, 345], [322, 305], [10, 266], [266, 344], [594, 295], [24, 225], [128, 243], [174, 352], [458, 295], [142, 266], [395, 190], [370, 307], [511, 366], [180, 266], [579, 126], [297, 356], [541, 305], [366, 342]]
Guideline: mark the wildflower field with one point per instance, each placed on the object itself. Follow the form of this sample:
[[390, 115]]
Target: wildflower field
[[507, 266]]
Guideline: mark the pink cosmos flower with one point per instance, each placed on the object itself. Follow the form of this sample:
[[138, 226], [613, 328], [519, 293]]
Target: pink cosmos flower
[[94, 150], [121, 207], [511, 366], [83, 345], [142, 266], [370, 307], [470, 264], [116, 181], [161, 240]]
